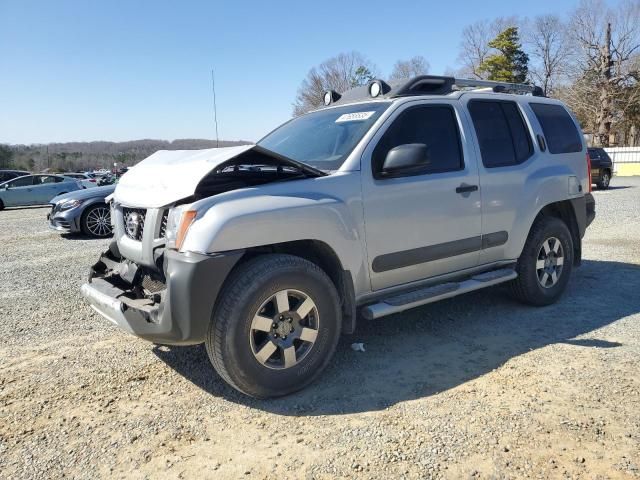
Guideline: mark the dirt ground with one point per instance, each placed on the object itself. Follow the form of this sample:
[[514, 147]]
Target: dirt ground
[[473, 387]]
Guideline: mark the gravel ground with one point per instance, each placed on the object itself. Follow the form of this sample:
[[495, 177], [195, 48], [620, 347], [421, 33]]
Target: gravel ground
[[473, 387]]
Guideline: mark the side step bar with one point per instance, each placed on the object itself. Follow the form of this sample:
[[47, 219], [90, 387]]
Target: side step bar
[[415, 298]]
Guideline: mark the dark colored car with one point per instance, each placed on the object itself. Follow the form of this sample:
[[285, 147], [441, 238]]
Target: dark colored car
[[83, 211], [6, 175], [601, 167]]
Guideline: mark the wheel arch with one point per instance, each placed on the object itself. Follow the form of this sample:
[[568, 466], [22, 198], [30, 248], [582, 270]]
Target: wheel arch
[[326, 258], [565, 211]]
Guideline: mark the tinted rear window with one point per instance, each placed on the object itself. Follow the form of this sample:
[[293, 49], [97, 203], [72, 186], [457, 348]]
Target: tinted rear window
[[559, 130], [502, 134]]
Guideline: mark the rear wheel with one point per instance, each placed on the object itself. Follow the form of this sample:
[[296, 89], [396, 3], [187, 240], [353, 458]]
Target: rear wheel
[[604, 181], [96, 221], [1, 205], [275, 327], [545, 265]]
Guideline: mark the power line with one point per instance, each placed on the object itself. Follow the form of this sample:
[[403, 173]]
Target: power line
[[215, 111]]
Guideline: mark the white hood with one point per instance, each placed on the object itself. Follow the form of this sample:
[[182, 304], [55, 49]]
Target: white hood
[[170, 175]]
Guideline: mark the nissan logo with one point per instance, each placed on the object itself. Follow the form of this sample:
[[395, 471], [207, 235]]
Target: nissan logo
[[133, 224]]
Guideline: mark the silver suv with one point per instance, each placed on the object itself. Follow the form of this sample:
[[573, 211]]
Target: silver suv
[[391, 196]]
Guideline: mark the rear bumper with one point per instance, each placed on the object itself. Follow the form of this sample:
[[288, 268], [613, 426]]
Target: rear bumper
[[590, 206], [178, 314]]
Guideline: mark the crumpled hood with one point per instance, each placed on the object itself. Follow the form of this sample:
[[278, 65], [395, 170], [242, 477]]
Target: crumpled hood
[[170, 175]]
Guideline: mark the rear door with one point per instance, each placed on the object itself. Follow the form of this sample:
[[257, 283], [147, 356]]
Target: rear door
[[427, 223], [507, 158]]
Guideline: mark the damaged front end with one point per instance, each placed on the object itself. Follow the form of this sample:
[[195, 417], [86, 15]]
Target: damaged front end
[[172, 306]]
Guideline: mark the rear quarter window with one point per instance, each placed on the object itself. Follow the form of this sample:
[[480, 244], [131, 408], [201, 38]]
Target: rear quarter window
[[558, 127]]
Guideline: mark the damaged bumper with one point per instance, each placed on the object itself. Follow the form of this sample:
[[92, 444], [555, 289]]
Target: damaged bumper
[[172, 308]]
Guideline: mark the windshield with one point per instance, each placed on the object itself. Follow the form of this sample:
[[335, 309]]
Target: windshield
[[324, 139]]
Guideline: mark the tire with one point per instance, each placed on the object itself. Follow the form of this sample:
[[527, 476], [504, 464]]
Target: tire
[[1, 205], [96, 221], [604, 181], [528, 287], [239, 351]]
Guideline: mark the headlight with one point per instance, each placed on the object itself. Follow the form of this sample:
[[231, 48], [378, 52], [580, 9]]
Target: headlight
[[69, 204], [178, 222]]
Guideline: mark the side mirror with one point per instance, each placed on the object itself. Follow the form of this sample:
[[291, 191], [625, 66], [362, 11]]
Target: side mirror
[[405, 160], [5, 187]]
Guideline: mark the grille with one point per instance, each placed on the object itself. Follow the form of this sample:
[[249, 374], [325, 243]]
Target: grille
[[163, 224], [152, 285], [134, 222]]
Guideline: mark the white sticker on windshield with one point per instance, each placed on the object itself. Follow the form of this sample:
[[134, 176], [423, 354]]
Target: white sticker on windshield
[[354, 117]]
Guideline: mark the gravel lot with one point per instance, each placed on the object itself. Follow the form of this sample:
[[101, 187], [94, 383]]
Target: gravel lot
[[473, 387]]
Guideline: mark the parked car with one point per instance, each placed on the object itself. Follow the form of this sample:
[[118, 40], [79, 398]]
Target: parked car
[[35, 189], [83, 211], [601, 167], [390, 197], [106, 179], [6, 175], [85, 179]]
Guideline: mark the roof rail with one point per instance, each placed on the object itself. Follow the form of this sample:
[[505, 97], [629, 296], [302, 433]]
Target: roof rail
[[425, 85], [499, 87], [443, 85]]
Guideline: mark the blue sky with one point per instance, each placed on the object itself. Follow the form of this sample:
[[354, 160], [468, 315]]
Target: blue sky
[[123, 70]]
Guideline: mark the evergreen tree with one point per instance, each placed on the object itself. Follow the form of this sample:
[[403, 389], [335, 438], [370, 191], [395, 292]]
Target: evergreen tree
[[510, 64]]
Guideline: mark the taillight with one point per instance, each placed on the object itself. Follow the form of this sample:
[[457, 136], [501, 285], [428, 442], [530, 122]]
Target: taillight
[[92, 180], [589, 171]]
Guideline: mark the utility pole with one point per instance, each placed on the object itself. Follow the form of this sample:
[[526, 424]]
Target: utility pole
[[215, 111]]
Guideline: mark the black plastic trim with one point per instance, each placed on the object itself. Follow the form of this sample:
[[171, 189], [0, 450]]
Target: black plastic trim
[[415, 256]]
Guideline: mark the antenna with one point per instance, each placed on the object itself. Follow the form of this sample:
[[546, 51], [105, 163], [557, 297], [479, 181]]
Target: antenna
[[215, 111]]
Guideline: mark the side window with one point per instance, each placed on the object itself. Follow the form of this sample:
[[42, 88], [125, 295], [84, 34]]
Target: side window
[[433, 125], [22, 182], [58, 179], [559, 130], [503, 137], [44, 179]]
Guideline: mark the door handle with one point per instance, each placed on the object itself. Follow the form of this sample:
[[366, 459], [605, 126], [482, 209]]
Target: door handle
[[464, 188]]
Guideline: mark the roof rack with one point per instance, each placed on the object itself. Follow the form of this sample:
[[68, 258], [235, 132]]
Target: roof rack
[[426, 85]]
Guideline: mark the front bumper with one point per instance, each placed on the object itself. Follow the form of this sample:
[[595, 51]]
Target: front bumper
[[64, 222], [179, 313]]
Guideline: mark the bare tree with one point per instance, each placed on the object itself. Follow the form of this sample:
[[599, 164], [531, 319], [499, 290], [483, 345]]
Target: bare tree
[[413, 67], [339, 73], [609, 43], [550, 48], [474, 46]]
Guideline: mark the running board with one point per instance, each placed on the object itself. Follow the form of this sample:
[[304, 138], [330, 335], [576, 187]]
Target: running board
[[415, 298]]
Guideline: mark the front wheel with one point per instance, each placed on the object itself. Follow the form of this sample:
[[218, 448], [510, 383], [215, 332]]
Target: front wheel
[[544, 267], [96, 221], [275, 327]]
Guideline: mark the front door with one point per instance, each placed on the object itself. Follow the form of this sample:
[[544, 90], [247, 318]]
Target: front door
[[424, 223], [19, 192]]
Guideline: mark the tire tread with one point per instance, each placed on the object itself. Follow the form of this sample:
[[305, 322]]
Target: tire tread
[[248, 273]]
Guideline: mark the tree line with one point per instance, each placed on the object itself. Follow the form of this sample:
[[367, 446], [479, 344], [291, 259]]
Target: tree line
[[84, 156], [590, 59]]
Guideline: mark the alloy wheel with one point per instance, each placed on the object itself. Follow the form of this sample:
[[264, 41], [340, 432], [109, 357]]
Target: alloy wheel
[[284, 329], [549, 263], [99, 221]]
